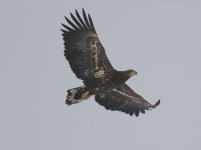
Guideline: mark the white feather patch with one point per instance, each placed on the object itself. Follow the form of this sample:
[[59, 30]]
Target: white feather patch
[[129, 96], [99, 74], [95, 54]]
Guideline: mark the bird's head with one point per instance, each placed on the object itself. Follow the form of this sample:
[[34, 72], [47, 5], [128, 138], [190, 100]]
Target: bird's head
[[131, 72], [123, 76]]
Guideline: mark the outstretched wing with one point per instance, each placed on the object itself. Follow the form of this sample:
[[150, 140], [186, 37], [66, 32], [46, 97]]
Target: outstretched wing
[[83, 50], [124, 99]]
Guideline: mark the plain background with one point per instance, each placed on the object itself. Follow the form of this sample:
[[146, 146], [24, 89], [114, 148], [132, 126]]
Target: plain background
[[160, 39]]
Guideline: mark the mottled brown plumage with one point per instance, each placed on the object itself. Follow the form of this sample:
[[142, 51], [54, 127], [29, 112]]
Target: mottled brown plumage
[[88, 60]]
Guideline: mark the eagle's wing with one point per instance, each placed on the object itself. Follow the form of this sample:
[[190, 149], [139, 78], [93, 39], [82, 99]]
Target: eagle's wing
[[124, 99], [83, 50]]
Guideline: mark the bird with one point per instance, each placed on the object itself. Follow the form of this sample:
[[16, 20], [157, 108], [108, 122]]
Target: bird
[[88, 60]]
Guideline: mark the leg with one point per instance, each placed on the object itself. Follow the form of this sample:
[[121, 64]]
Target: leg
[[85, 95]]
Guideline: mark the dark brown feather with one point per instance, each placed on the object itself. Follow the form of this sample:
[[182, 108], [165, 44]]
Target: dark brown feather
[[124, 99]]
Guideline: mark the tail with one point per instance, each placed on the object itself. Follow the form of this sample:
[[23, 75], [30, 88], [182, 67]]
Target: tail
[[75, 95]]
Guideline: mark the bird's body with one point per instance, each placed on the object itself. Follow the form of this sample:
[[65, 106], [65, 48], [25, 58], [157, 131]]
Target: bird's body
[[97, 85], [89, 62]]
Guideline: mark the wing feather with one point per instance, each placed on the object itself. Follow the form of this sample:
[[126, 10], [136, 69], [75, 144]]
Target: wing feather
[[72, 24], [91, 22], [83, 49], [76, 21], [124, 99], [80, 19], [86, 19], [68, 28]]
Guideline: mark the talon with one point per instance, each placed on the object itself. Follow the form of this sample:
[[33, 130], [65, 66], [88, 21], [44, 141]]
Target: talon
[[85, 95]]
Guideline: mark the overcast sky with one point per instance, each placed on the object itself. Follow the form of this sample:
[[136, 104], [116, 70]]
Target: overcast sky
[[160, 39]]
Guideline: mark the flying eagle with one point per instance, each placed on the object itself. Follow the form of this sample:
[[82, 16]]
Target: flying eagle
[[88, 60]]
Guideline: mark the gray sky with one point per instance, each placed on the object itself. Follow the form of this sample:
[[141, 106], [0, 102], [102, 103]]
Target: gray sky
[[159, 39]]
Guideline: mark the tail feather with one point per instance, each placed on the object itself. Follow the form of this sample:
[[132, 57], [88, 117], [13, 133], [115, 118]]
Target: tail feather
[[74, 95]]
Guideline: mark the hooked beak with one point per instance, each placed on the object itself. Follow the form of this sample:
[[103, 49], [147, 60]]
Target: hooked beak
[[133, 72]]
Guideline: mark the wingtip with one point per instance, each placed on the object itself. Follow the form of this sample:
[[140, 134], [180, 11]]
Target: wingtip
[[63, 25], [71, 14], [66, 18], [157, 103], [83, 11], [62, 30], [76, 11]]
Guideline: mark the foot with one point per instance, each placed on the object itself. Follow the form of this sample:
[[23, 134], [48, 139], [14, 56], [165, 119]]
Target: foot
[[85, 95]]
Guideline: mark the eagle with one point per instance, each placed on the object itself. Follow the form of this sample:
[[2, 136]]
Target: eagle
[[88, 60]]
